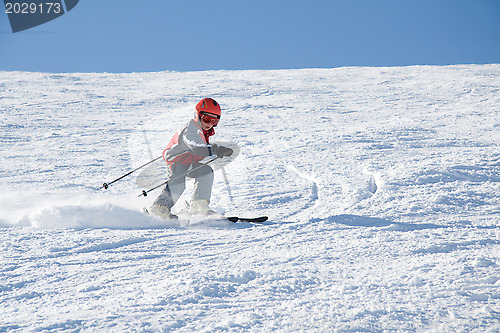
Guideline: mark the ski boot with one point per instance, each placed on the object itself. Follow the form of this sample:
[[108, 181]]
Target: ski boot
[[200, 207], [163, 212]]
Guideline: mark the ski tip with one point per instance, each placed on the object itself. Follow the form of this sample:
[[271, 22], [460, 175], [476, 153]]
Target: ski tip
[[243, 219], [260, 219]]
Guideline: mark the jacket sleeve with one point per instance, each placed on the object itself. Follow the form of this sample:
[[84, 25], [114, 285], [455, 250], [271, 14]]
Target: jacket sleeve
[[195, 140]]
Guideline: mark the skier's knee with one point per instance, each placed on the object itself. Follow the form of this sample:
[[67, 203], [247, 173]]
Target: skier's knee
[[205, 170]]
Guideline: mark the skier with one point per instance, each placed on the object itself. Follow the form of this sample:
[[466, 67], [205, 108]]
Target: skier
[[183, 154]]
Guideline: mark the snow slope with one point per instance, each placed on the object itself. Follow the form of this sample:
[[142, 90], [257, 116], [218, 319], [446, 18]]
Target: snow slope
[[382, 186]]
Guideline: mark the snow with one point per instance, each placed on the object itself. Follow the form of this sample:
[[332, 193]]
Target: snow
[[382, 186]]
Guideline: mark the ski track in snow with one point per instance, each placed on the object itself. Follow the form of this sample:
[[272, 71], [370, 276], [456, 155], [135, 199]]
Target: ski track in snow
[[382, 186]]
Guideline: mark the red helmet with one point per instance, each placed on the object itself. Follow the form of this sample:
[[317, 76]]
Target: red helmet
[[208, 105]]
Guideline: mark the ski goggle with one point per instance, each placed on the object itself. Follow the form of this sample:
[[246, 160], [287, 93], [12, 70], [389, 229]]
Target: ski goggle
[[209, 119]]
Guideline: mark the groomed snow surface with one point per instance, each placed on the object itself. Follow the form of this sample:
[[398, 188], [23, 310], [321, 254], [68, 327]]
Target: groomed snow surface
[[382, 186]]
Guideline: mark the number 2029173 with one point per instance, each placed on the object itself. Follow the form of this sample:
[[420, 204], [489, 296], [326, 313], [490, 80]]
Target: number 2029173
[[33, 8]]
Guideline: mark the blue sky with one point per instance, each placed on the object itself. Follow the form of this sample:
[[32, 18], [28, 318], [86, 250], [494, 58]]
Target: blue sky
[[191, 35]]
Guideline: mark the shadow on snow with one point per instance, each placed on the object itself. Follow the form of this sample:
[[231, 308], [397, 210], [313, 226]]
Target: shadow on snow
[[375, 222]]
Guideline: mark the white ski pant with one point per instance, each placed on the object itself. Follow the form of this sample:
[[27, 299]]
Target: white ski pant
[[203, 180]]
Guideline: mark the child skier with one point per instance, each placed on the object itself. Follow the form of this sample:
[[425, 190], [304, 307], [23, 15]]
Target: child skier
[[183, 154]]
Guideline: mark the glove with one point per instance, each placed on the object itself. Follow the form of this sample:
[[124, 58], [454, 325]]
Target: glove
[[222, 151]]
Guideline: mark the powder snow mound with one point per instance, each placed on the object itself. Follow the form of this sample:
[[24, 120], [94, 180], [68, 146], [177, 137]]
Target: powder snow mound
[[97, 217], [110, 216]]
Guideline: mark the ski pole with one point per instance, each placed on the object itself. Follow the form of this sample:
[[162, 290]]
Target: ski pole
[[106, 185], [226, 180], [145, 193]]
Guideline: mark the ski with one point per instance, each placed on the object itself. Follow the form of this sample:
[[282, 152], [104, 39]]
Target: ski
[[233, 219], [259, 219]]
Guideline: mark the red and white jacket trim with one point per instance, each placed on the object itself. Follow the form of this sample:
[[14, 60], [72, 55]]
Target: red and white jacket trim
[[189, 145]]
